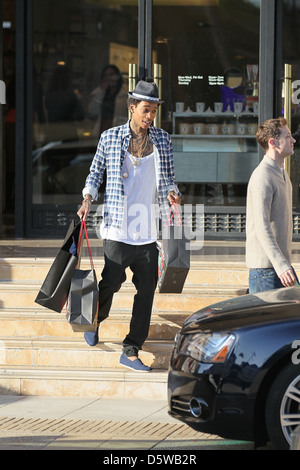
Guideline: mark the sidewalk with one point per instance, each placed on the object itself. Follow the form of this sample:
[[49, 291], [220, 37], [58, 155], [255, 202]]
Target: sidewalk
[[64, 423]]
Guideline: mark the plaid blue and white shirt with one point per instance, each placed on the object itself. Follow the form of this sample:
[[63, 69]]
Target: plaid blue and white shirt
[[110, 155]]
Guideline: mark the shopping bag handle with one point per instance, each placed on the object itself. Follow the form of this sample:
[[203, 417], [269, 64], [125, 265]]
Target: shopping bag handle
[[83, 226], [174, 210]]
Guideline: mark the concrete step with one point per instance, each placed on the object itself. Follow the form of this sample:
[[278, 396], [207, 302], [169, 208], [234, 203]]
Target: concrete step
[[41, 355], [41, 323], [201, 272], [74, 352], [81, 382], [21, 294]]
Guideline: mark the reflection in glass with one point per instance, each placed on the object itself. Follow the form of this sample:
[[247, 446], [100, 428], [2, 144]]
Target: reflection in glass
[[291, 55], [106, 106], [81, 56], [209, 52]]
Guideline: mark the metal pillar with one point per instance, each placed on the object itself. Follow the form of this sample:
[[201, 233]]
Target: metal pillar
[[1, 121], [267, 60], [287, 84], [145, 39], [158, 81], [24, 113]]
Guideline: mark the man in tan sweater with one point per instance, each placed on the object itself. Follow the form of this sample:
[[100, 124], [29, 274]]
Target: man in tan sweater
[[269, 224]]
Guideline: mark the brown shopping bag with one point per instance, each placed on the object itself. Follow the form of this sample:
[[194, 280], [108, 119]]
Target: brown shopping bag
[[173, 258], [54, 291], [83, 300]]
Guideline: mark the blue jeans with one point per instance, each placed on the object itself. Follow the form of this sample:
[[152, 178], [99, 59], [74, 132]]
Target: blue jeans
[[262, 279]]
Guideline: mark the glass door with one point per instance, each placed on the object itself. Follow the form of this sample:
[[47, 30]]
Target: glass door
[[81, 55], [209, 52], [291, 57]]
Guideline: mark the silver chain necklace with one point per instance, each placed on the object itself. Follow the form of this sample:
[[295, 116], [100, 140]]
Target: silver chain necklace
[[136, 159]]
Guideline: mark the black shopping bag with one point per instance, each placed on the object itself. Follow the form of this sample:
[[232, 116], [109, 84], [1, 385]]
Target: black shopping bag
[[83, 300], [54, 291], [173, 260]]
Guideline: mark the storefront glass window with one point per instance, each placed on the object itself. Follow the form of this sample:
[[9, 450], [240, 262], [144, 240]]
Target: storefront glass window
[[81, 55], [291, 56], [7, 164], [208, 51], [209, 54]]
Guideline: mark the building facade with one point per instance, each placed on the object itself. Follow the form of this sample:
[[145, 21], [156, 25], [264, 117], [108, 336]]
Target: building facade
[[67, 67]]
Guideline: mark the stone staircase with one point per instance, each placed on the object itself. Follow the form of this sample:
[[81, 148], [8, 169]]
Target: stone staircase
[[41, 355]]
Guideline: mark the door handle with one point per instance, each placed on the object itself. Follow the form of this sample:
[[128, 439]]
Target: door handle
[[158, 80]]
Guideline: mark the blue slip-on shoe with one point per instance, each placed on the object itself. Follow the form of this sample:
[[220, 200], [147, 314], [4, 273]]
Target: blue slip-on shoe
[[92, 337], [135, 365]]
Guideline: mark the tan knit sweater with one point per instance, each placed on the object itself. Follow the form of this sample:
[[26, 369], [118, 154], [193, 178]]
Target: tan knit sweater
[[269, 223]]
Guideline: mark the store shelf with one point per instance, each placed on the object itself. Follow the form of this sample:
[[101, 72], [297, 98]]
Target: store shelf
[[219, 118], [208, 114]]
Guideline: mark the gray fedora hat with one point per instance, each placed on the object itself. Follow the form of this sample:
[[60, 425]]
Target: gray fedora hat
[[145, 91]]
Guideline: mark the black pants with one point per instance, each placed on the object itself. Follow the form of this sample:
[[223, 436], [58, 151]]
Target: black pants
[[143, 262]]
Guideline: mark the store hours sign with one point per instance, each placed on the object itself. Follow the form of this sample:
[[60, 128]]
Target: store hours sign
[[212, 79]]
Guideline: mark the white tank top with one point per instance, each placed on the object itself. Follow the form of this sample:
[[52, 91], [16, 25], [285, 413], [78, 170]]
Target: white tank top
[[139, 223]]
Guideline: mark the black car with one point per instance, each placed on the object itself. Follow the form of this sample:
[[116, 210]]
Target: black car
[[235, 368]]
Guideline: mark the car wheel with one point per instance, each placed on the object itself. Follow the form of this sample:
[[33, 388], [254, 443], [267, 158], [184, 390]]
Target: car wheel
[[283, 407]]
